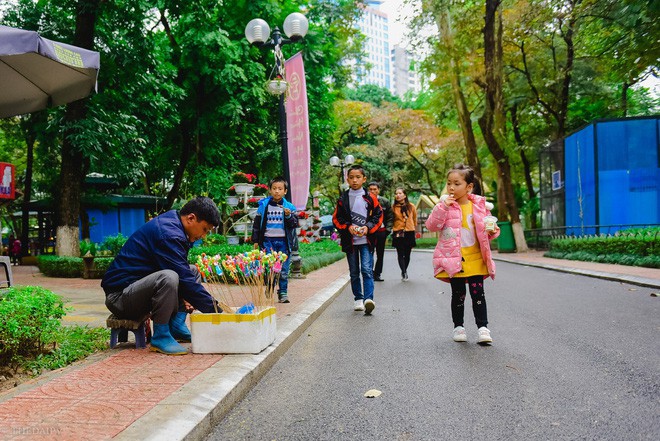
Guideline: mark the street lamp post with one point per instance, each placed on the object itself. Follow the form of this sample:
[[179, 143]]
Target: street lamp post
[[335, 161], [257, 32]]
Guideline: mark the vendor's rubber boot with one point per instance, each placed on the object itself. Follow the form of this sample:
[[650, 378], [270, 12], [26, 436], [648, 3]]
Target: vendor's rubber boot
[[162, 341], [178, 327]]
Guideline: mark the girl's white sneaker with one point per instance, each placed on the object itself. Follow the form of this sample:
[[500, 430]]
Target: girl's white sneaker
[[359, 305], [459, 334], [484, 336]]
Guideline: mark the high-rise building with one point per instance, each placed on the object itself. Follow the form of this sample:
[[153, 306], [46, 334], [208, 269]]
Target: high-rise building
[[374, 25], [404, 74], [391, 69]]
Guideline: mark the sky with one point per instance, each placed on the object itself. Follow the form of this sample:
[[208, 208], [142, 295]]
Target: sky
[[396, 12]]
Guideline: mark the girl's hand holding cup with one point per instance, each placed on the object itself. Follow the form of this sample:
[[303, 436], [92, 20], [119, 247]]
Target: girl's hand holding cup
[[490, 222]]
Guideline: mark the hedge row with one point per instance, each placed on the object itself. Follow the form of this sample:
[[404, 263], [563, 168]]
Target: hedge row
[[70, 267], [638, 247]]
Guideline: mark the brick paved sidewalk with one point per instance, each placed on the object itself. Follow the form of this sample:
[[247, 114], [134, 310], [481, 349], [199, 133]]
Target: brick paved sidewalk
[[101, 397]]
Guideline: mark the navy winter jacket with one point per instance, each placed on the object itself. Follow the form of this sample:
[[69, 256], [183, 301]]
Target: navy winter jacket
[[159, 244]]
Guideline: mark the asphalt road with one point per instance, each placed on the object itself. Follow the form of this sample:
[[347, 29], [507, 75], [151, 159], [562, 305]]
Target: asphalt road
[[573, 358]]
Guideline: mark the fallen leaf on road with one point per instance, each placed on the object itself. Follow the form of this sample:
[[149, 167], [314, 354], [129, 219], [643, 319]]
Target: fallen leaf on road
[[655, 294], [372, 393], [632, 289]]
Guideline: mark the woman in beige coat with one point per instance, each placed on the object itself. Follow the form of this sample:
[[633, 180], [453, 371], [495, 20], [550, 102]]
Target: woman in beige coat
[[403, 229]]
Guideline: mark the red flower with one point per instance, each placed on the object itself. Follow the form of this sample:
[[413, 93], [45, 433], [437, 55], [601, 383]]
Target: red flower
[[302, 215]]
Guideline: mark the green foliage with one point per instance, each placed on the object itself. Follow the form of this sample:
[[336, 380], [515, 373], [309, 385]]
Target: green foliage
[[73, 343], [214, 239], [113, 244], [101, 265], [29, 320], [87, 248], [370, 93], [56, 266], [638, 247]]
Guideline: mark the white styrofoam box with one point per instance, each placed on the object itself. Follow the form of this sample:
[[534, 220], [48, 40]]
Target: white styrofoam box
[[224, 333]]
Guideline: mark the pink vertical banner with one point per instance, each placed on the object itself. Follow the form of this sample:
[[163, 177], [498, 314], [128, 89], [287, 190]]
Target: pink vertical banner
[[297, 127]]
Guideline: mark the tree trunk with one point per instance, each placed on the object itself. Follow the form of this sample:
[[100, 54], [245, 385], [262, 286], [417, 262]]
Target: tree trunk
[[443, 20], [489, 121], [624, 99], [73, 170], [567, 36], [184, 158], [526, 164]]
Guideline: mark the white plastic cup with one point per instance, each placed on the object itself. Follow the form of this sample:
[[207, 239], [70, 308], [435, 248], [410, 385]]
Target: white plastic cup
[[490, 222]]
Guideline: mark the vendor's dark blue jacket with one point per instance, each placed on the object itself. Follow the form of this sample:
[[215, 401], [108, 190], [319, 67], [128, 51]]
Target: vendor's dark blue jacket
[[290, 224], [159, 244]]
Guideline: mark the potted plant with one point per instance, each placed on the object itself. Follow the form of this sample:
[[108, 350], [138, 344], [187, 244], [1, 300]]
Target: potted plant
[[244, 182], [260, 190], [236, 215], [88, 252], [232, 198]]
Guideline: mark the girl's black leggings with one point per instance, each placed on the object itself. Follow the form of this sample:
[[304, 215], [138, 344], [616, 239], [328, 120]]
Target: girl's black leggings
[[476, 287]]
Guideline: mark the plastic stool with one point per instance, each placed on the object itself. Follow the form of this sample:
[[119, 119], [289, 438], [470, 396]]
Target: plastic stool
[[119, 331]]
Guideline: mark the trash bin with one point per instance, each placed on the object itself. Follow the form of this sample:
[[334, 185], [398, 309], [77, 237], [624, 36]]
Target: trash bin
[[505, 241]]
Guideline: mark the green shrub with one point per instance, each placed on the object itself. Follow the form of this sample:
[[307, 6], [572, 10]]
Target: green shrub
[[214, 239], [635, 247], [73, 343], [29, 320], [101, 264], [56, 266], [113, 244]]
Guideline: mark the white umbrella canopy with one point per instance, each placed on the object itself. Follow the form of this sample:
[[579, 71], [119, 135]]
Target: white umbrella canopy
[[36, 73]]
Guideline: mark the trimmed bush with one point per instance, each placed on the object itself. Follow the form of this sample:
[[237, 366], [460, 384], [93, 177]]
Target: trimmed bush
[[635, 247], [29, 320], [56, 266]]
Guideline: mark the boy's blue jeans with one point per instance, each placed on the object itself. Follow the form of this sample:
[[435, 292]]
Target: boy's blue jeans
[[279, 244], [360, 260]]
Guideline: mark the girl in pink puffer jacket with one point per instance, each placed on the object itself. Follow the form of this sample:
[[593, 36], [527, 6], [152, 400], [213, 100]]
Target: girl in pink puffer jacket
[[463, 254]]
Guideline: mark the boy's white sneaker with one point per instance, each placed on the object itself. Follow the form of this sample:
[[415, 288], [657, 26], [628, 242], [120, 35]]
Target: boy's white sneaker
[[369, 306], [459, 334], [484, 336], [359, 305]]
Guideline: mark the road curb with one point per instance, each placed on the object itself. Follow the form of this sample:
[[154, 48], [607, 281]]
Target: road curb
[[191, 413], [633, 280]]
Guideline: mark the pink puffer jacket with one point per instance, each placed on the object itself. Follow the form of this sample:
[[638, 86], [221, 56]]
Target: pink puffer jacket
[[448, 221]]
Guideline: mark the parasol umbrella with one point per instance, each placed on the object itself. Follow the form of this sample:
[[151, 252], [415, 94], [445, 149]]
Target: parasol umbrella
[[36, 73]]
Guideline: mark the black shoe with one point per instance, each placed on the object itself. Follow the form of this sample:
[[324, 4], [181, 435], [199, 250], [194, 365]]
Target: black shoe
[[378, 279], [404, 276]]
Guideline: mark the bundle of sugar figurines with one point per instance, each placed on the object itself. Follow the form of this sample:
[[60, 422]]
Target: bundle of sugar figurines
[[243, 280]]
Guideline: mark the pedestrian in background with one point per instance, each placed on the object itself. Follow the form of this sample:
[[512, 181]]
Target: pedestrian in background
[[403, 229], [357, 217], [15, 251], [462, 255], [274, 229], [384, 230]]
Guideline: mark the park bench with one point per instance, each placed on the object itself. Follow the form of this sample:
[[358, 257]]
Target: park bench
[[5, 272]]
